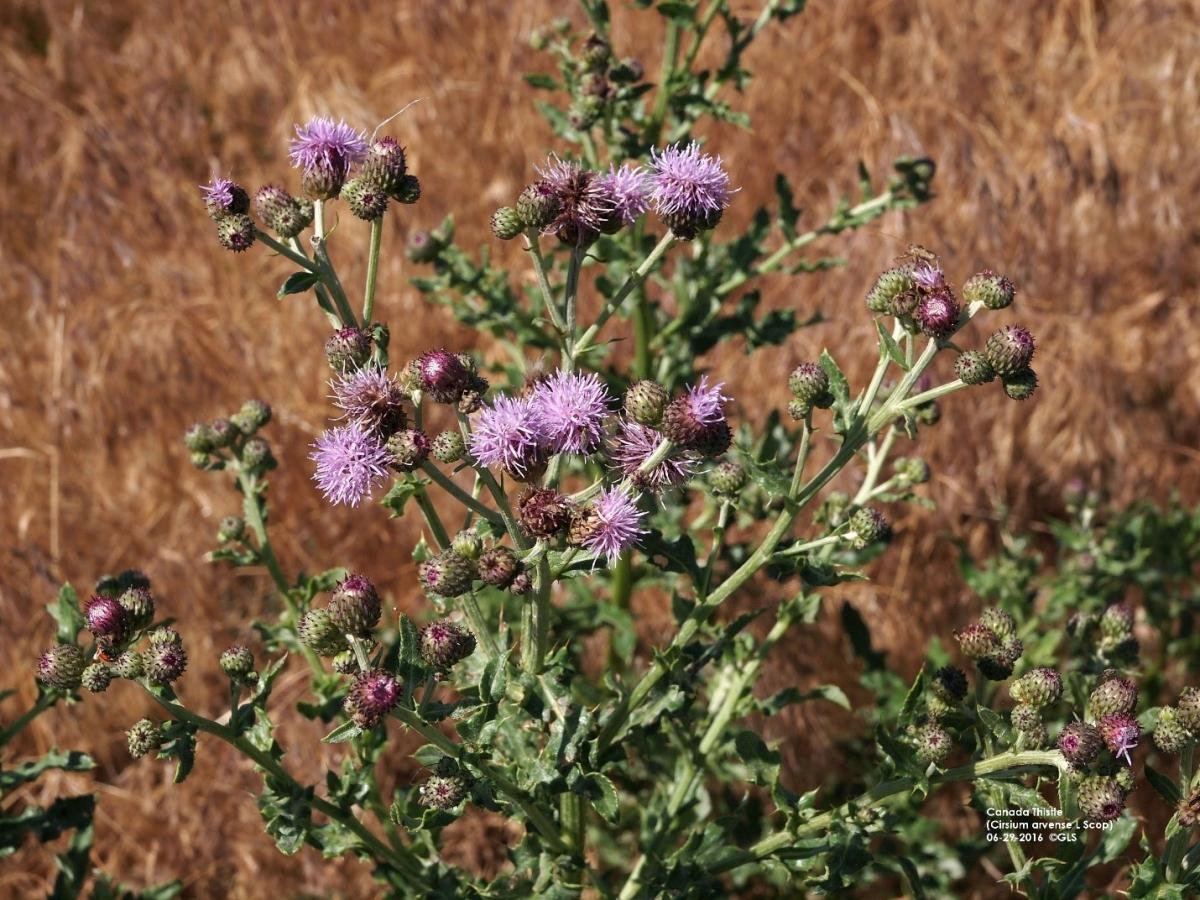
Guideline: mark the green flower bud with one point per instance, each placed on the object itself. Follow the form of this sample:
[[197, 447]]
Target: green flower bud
[[408, 448], [138, 604], [422, 246], [129, 665], [912, 470], [253, 415], [1170, 733], [1020, 386], [937, 708], [1101, 798], [284, 214], [346, 663], [224, 434], [949, 683], [538, 206], [61, 667], [972, 367], [498, 566], [165, 635], [443, 644], [97, 677], [1000, 622], [1080, 743], [385, 165], [933, 743], [467, 544], [319, 633], [354, 607], [506, 223], [992, 290], [645, 403], [1113, 696], [867, 526], [727, 478], [1025, 718], [442, 792], [165, 662], [236, 233], [894, 290], [977, 641], [237, 663], [808, 384], [257, 456], [199, 438], [143, 737], [231, 529], [1189, 709], [409, 190], [447, 574], [1116, 623], [1125, 780], [348, 350], [448, 447], [1010, 350], [1038, 688]]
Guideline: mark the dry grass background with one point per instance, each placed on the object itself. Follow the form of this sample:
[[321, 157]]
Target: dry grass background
[[1066, 138]]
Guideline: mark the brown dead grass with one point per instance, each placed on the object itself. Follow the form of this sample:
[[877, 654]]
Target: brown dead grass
[[1066, 136]]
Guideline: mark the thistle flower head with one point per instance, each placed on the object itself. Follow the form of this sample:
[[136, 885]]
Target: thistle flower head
[[543, 512], [696, 419], [354, 607], [929, 277], [1121, 733], [224, 197], [61, 667], [443, 644], [351, 463], [165, 662], [937, 314], [585, 205], [325, 150], [569, 410], [628, 187], [689, 189], [442, 375], [105, 617], [371, 697], [508, 434], [1079, 743], [616, 524], [632, 446], [372, 399]]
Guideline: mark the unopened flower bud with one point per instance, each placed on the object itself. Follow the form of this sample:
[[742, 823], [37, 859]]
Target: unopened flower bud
[[372, 696], [933, 743], [367, 200], [538, 206], [385, 165], [231, 529], [443, 792], [522, 584], [443, 644], [97, 677], [627, 71], [949, 683], [346, 663], [138, 604], [441, 375], [912, 470], [992, 290], [892, 286], [408, 449], [937, 314], [1188, 810], [1020, 386], [467, 544], [645, 402], [867, 526], [1000, 622], [808, 383], [1114, 695], [253, 415], [1038, 688], [165, 662], [143, 737], [1010, 350], [498, 566], [506, 223], [106, 617], [237, 663], [977, 641], [1171, 735], [129, 665], [284, 214], [972, 367], [199, 438], [1121, 733], [448, 447], [1080, 743], [165, 635], [1116, 623], [224, 434], [1025, 718], [354, 607], [348, 350], [257, 456], [409, 190], [543, 513], [727, 478], [422, 247], [1189, 709], [236, 233], [319, 633], [447, 574], [1101, 798]]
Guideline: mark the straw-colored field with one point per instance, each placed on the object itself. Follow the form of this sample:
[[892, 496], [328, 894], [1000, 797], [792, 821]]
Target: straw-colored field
[[1066, 138]]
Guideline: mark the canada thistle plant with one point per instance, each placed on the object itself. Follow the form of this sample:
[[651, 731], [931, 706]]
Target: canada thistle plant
[[582, 479]]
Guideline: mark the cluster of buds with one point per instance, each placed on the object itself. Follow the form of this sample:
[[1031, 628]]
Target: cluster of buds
[[335, 160], [352, 613], [1034, 692], [917, 294], [1006, 355], [992, 644], [233, 439], [1095, 747], [454, 571], [596, 79], [118, 615], [448, 378], [688, 189], [1178, 726], [945, 691]]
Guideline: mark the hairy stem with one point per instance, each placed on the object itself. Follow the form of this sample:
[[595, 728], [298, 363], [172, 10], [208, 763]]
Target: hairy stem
[[368, 309], [447, 484]]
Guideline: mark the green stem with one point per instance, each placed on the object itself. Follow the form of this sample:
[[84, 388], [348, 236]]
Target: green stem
[[44, 701], [431, 517], [539, 271], [284, 250], [929, 396], [1177, 844], [643, 334], [667, 75], [797, 549], [635, 278], [536, 639], [368, 309], [400, 859], [479, 624], [447, 484], [323, 300], [328, 274], [252, 506]]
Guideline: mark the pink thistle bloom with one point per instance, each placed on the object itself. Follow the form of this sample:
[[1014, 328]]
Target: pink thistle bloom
[[616, 525], [570, 411], [507, 434], [351, 463], [328, 147], [688, 184], [372, 399], [629, 189], [633, 444], [585, 204]]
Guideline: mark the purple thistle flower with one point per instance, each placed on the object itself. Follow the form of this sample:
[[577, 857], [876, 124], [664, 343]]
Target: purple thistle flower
[[327, 146], [929, 277], [507, 434], [1121, 732], [585, 204], [706, 404], [351, 462], [615, 524], [632, 446], [629, 189], [224, 197], [690, 190], [570, 410], [371, 399]]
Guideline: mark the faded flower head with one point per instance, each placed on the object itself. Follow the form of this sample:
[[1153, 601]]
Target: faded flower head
[[1121, 733], [325, 150], [372, 696], [695, 420], [351, 463], [629, 189], [689, 189], [443, 644], [633, 445], [585, 203], [372, 399], [570, 410], [615, 524], [507, 434]]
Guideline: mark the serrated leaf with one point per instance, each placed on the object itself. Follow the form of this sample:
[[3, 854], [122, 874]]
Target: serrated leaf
[[400, 493], [838, 385], [297, 283], [913, 697], [66, 761], [604, 796], [829, 692], [891, 348], [347, 731]]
